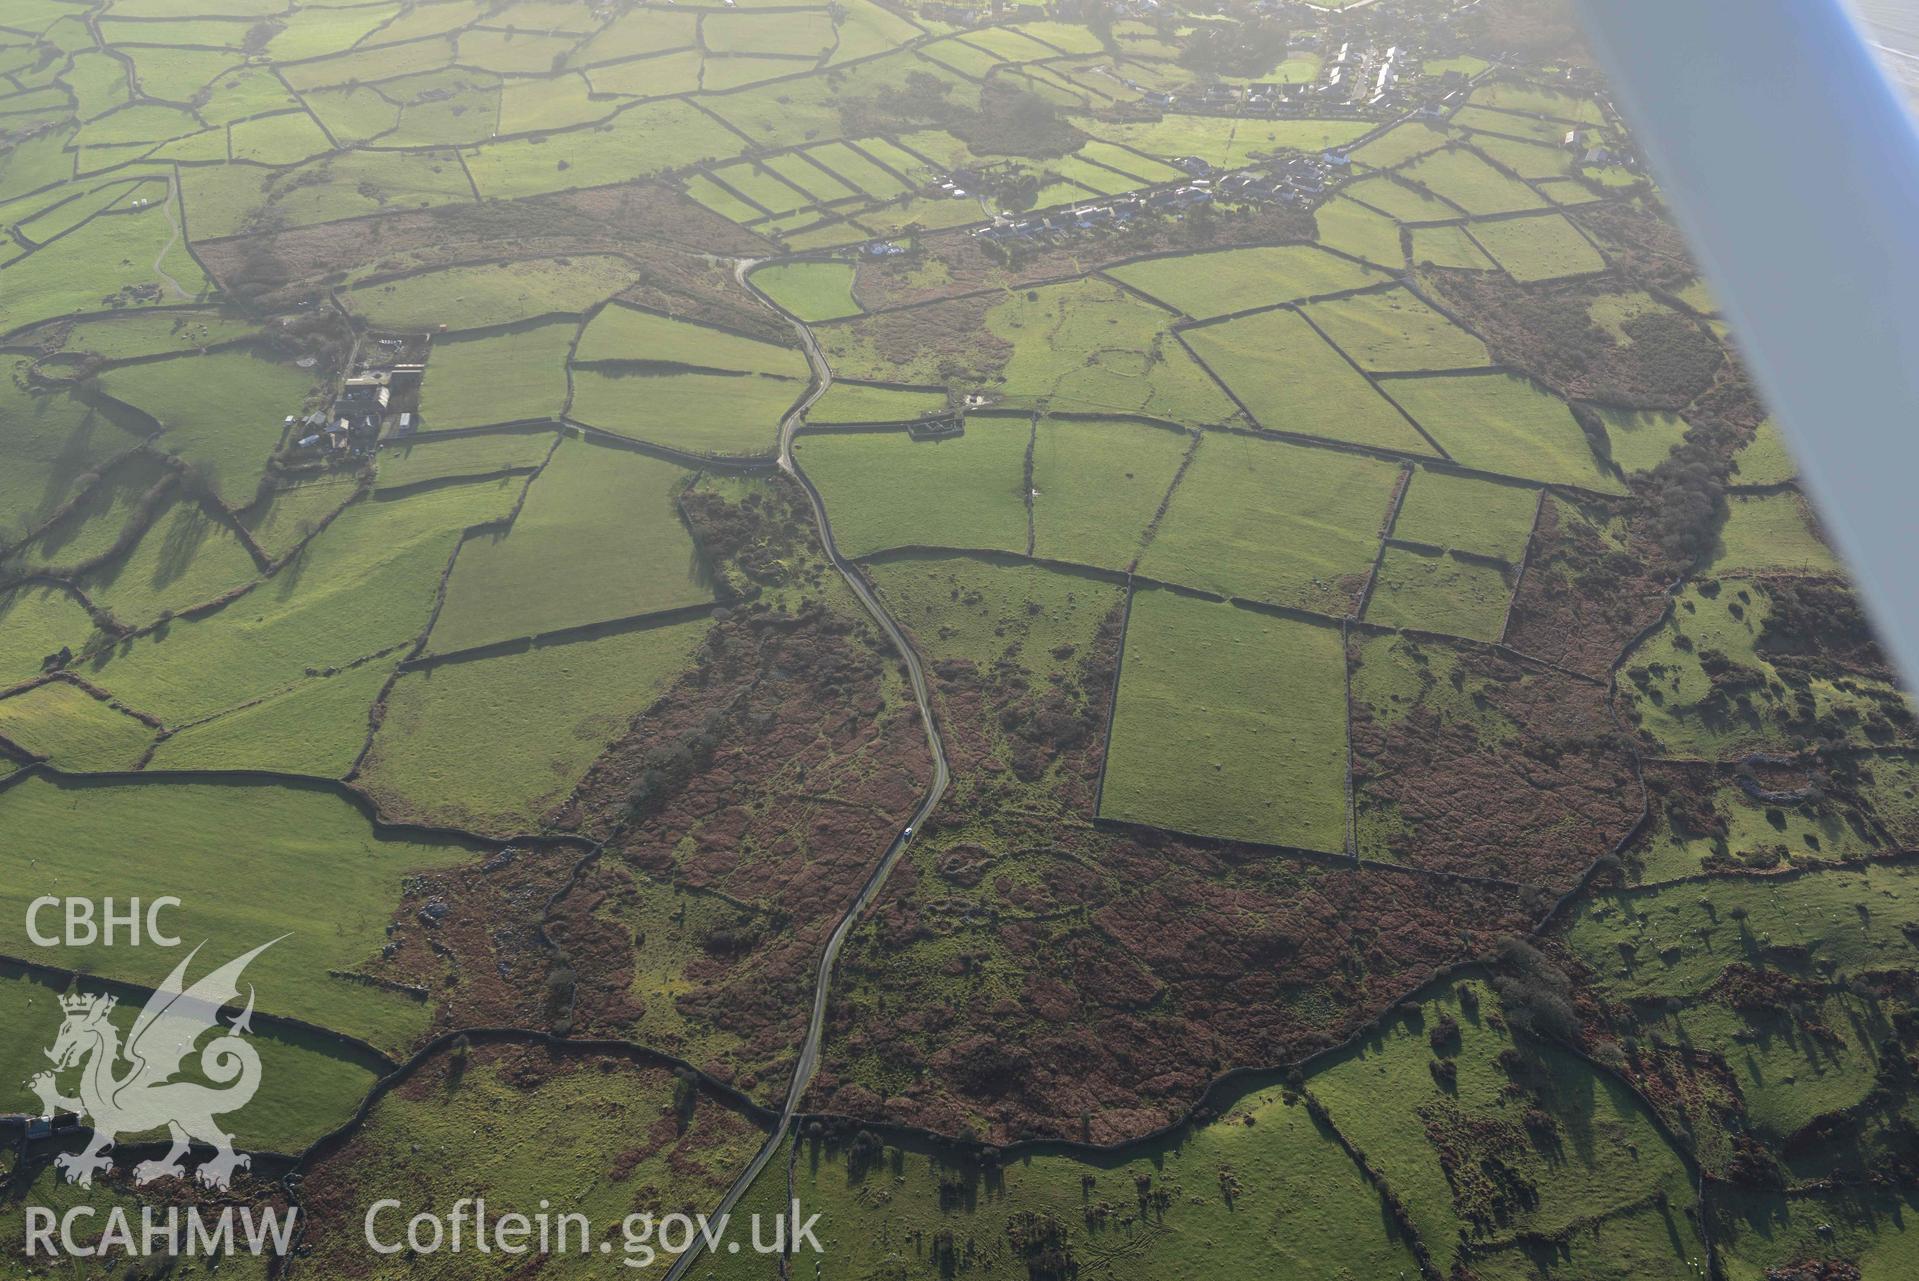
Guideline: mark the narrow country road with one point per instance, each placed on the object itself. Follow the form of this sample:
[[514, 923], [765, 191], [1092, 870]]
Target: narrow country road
[[816, 1023], [173, 219]]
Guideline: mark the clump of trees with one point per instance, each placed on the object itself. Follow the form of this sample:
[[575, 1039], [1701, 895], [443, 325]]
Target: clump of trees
[[561, 983], [668, 766], [686, 1094], [1536, 994], [1686, 498], [1251, 48], [1012, 122], [1811, 618]]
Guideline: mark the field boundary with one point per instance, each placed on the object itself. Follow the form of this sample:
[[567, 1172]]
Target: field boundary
[[352, 1048], [576, 634], [1112, 703], [1525, 560]]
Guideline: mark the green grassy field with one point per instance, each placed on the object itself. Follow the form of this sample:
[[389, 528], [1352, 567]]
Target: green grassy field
[[543, 714], [227, 200], [821, 186], [673, 73], [528, 106], [1674, 700], [884, 489], [1010, 44], [365, 585], [335, 883], [36, 621], [1544, 248], [502, 1126], [306, 1088], [1765, 459], [1290, 379], [115, 259], [700, 413], [1089, 347], [1787, 1077], [1466, 180], [1399, 144], [1803, 834], [1229, 723], [1568, 193], [810, 290], [476, 381], [283, 139], [53, 441], [185, 558], [1398, 200], [424, 460], [701, 189], [57, 220], [1485, 121], [124, 337], [1759, 1231], [1510, 95], [291, 514], [441, 107], [221, 412], [1263, 1191], [846, 402], [1464, 513], [625, 333], [1396, 332], [482, 295], [1615, 312], [855, 167], [1354, 229], [1533, 160], [653, 138], [640, 31], [72, 729], [1643, 439], [766, 190], [1222, 141], [1770, 533], [96, 521], [1504, 424], [988, 612], [1222, 281], [1424, 592], [803, 32], [1097, 485], [316, 726], [1681, 938], [1286, 524], [1596, 1151], [600, 537]]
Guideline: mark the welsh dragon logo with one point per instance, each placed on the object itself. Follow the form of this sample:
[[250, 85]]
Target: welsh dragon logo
[[145, 1096]]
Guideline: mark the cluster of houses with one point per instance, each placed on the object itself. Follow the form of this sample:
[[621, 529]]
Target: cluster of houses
[[366, 414], [961, 15], [1060, 225], [1580, 142], [1361, 77], [1299, 180]]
